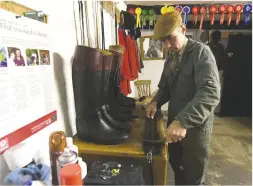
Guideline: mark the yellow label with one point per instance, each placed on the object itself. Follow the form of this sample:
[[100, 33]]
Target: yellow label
[[115, 172]]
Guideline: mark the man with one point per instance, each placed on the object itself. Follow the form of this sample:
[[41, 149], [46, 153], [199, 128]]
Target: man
[[190, 82]]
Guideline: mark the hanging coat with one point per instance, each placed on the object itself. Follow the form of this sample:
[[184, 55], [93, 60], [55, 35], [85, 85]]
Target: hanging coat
[[126, 75], [133, 58], [130, 61], [125, 70]]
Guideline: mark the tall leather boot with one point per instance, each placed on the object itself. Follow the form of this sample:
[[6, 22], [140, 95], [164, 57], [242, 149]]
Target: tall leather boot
[[123, 100], [112, 108], [107, 64], [86, 76], [123, 114], [117, 111], [111, 100]]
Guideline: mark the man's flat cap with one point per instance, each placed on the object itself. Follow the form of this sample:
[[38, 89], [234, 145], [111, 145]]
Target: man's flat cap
[[166, 24]]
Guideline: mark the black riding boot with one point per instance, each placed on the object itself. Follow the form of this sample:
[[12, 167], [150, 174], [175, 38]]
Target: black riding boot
[[107, 64], [119, 97], [86, 76], [117, 111]]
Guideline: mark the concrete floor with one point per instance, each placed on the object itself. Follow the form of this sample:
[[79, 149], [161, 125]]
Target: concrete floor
[[230, 153]]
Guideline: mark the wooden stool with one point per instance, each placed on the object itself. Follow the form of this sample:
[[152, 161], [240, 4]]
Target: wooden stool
[[129, 151]]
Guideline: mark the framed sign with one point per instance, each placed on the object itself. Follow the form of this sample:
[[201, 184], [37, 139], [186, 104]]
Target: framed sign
[[151, 49]]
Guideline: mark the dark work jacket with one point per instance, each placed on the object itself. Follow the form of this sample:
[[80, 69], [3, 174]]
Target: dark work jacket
[[192, 87]]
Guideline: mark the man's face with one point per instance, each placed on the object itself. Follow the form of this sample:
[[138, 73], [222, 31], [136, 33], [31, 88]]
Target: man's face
[[175, 41]]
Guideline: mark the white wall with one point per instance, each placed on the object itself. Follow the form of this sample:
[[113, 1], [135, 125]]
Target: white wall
[[152, 71], [63, 41]]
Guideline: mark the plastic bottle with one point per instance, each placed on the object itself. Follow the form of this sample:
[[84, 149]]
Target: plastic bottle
[[71, 175], [67, 157], [70, 145], [83, 167]]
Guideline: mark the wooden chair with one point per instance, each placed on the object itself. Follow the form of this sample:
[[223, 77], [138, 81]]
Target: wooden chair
[[143, 87]]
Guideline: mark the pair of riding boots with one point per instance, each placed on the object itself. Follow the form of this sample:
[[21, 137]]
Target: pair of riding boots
[[100, 116]]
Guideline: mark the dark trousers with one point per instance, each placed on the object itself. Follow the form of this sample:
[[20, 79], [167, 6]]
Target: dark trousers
[[189, 157]]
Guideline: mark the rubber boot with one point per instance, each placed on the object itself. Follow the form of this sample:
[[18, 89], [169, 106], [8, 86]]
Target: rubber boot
[[86, 77], [107, 63]]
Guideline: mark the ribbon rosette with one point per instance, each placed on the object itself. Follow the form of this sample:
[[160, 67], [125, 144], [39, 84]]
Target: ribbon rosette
[[230, 10], [222, 10], [164, 10], [186, 10], [238, 10], [179, 9], [144, 15], [151, 13], [195, 11], [203, 11], [247, 9], [138, 18], [213, 11]]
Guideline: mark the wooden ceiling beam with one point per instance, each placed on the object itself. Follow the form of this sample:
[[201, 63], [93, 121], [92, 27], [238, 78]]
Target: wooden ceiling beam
[[15, 7]]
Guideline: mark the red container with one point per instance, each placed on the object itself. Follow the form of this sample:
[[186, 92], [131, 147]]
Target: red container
[[71, 175]]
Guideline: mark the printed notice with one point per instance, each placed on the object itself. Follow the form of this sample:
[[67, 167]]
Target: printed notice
[[26, 73]]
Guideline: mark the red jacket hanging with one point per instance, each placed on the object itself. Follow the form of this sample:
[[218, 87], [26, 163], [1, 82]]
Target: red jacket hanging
[[125, 70], [132, 56], [130, 61]]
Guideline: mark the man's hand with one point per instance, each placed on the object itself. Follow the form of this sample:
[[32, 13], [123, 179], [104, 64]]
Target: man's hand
[[175, 132], [151, 109]]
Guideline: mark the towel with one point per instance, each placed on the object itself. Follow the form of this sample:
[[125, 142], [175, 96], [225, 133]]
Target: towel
[[25, 176]]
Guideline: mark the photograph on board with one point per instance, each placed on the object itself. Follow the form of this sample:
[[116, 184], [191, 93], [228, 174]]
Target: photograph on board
[[151, 49], [155, 49], [15, 57], [3, 57], [44, 57], [32, 57]]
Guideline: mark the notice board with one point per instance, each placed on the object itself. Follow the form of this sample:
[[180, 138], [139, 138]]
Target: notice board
[[27, 103]]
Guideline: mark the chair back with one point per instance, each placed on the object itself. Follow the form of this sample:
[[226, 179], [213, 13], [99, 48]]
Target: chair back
[[143, 87]]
